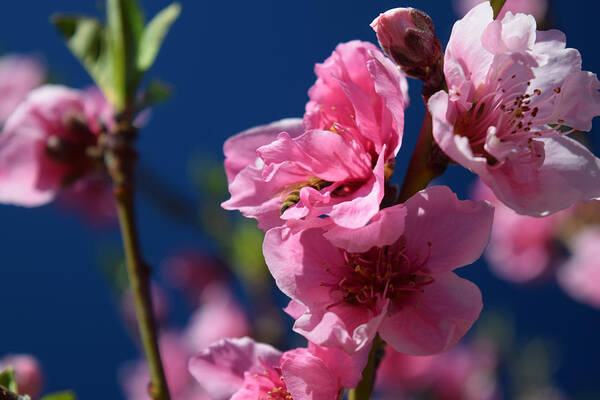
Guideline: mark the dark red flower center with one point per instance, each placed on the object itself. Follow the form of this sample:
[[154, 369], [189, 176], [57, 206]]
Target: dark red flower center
[[74, 147], [380, 273]]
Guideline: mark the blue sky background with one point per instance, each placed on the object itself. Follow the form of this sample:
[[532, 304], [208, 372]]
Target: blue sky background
[[233, 65]]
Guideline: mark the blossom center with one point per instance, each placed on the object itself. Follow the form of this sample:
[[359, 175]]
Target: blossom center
[[512, 108], [381, 273], [75, 147], [270, 384]]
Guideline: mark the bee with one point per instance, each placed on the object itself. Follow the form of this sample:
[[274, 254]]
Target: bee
[[293, 195]]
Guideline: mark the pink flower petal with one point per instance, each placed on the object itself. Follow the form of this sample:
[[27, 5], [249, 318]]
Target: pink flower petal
[[19, 74], [348, 367], [220, 368], [320, 153], [513, 33], [453, 232], [307, 377], [351, 328], [363, 204], [384, 229], [445, 312], [254, 197], [465, 56], [296, 261], [569, 173], [240, 150]]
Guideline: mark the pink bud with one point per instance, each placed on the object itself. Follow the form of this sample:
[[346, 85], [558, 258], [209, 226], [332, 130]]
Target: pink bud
[[28, 373], [407, 36]]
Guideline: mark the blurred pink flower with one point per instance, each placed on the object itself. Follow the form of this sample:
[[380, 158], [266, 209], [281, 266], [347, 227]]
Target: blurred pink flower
[[28, 373], [193, 271], [403, 373], [334, 163], [45, 146], [135, 378], [521, 248], [220, 316], [19, 74], [393, 276], [92, 197], [513, 94], [241, 369], [580, 275], [537, 8], [465, 372], [160, 306]]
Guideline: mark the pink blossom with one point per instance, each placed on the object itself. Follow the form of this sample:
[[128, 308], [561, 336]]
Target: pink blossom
[[160, 306], [241, 369], [465, 372], [47, 145], [537, 8], [403, 373], [513, 92], [92, 198], [193, 271], [580, 275], [521, 248], [402, 286], [220, 316], [19, 74], [334, 163], [28, 373], [135, 377]]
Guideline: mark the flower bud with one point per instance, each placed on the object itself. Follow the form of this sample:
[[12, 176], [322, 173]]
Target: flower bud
[[407, 36], [28, 373]]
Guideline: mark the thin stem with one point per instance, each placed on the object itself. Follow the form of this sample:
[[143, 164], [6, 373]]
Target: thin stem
[[427, 162], [120, 162], [365, 387], [139, 280]]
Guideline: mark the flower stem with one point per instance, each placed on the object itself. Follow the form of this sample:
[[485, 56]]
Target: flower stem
[[427, 162], [120, 162], [365, 387]]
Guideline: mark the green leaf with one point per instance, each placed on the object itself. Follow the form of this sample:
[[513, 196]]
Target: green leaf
[[157, 92], [154, 35], [118, 54], [8, 380], [497, 6], [85, 37], [134, 16], [67, 395]]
